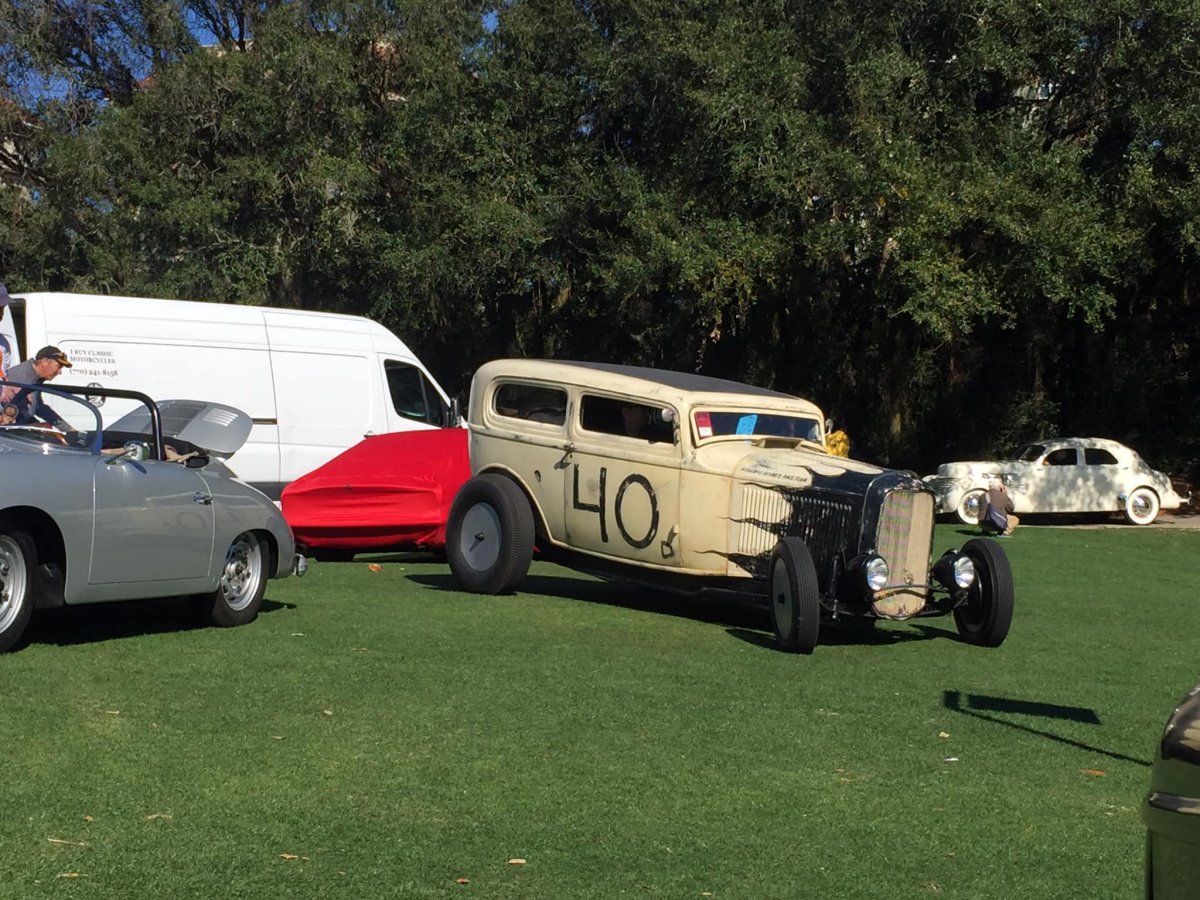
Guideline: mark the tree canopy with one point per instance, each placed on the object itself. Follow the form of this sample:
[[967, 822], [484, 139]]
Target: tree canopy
[[956, 230]]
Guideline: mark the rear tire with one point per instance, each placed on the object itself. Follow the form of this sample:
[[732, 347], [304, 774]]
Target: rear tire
[[489, 535], [18, 564], [986, 616], [238, 597], [795, 597], [1141, 506]]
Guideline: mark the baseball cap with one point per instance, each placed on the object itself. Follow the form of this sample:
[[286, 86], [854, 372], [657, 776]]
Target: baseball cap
[[55, 354]]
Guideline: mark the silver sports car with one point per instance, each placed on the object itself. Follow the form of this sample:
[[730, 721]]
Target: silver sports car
[[145, 508]]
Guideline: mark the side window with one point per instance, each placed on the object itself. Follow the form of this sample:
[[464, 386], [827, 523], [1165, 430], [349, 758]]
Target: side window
[[532, 402], [625, 418], [412, 395], [1064, 456], [1097, 456]]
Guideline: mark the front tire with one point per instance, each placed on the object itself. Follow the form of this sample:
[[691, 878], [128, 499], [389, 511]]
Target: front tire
[[971, 507], [795, 597], [1141, 506], [238, 597], [489, 535], [18, 563], [985, 617]]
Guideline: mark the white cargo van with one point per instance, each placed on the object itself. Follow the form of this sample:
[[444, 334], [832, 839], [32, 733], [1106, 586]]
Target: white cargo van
[[314, 383]]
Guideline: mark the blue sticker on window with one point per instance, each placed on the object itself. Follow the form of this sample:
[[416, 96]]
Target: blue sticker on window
[[746, 424]]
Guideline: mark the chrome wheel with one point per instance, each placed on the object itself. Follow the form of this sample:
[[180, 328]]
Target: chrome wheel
[[970, 507], [243, 576], [14, 582], [1141, 506]]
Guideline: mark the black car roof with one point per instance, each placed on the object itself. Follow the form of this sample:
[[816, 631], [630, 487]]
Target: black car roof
[[679, 380]]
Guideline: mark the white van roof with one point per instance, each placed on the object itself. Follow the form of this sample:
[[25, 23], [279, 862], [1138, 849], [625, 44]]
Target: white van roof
[[134, 318]]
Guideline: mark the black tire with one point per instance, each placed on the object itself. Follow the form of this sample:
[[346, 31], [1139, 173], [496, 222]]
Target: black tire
[[985, 618], [238, 597], [795, 596], [489, 535], [18, 567]]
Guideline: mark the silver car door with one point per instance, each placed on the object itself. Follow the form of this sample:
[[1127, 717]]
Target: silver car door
[[153, 521]]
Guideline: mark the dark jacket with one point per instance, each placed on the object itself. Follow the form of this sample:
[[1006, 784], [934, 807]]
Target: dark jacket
[[28, 401]]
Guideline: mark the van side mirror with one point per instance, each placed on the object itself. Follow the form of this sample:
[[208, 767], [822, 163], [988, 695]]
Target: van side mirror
[[453, 415]]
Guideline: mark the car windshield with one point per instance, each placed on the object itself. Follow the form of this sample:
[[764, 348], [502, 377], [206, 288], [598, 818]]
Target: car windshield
[[712, 423], [1032, 452], [48, 418]]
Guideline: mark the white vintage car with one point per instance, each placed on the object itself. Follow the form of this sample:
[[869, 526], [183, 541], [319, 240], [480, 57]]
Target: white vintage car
[[1061, 475]]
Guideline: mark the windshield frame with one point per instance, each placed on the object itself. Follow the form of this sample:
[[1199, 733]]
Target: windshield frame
[[814, 435], [82, 394]]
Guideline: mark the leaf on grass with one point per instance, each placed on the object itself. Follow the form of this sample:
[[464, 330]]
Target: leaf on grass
[[949, 759], [69, 875], [289, 855], [153, 816], [277, 737], [1098, 773], [375, 567], [68, 843], [88, 819], [516, 861], [328, 712], [359, 650], [462, 880], [113, 712], [943, 734]]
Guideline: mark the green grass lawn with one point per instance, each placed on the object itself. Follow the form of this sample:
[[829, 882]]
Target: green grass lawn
[[378, 734]]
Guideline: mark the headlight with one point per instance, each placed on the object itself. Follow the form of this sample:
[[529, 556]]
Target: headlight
[[964, 572], [875, 570], [954, 570]]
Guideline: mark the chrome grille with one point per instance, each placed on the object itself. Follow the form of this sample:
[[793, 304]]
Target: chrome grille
[[905, 536]]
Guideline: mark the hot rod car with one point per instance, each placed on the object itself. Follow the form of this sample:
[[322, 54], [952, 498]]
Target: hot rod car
[[698, 484]]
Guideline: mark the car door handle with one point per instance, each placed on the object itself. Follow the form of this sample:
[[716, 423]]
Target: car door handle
[[204, 499], [567, 449]]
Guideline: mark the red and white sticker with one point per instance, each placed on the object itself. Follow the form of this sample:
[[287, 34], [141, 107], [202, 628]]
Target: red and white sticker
[[704, 425]]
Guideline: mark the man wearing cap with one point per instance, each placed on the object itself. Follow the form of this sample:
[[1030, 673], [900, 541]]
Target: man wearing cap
[[44, 366]]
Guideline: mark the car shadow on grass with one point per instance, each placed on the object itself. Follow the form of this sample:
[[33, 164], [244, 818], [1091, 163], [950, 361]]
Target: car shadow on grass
[[744, 618], [732, 612], [847, 633], [96, 622], [981, 706]]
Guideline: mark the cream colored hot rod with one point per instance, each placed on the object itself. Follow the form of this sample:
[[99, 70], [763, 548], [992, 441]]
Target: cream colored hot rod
[[699, 484]]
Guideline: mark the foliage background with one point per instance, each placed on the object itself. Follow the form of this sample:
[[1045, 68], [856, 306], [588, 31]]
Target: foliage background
[[955, 230]]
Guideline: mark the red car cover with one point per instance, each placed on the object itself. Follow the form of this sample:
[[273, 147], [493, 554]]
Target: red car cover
[[392, 491]]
